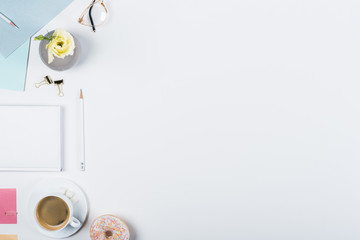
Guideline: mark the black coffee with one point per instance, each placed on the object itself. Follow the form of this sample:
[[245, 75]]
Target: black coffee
[[52, 213]]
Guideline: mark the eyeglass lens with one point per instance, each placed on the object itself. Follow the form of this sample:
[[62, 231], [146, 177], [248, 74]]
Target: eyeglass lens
[[98, 14]]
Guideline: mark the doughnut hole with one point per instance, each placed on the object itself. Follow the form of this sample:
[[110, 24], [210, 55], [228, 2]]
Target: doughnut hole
[[108, 234]]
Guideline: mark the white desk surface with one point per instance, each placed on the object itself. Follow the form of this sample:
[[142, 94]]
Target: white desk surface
[[211, 119]]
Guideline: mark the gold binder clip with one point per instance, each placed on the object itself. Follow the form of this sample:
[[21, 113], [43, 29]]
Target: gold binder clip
[[47, 80], [59, 84]]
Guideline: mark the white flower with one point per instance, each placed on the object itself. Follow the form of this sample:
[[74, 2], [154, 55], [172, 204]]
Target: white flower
[[61, 45]]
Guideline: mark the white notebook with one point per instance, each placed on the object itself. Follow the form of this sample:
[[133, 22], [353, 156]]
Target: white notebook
[[30, 138]]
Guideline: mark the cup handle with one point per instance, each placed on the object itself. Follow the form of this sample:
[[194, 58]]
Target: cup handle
[[74, 222]]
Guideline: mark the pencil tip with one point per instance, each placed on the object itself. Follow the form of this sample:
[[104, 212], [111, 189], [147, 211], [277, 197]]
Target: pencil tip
[[13, 24], [81, 94]]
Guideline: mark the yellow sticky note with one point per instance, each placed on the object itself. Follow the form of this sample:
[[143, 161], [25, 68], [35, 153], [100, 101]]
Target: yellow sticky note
[[8, 237]]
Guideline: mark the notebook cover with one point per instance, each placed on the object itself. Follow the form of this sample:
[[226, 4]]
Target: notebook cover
[[8, 237], [8, 214], [31, 138]]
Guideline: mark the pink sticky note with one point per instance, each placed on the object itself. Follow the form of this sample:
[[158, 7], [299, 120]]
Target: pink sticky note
[[8, 214]]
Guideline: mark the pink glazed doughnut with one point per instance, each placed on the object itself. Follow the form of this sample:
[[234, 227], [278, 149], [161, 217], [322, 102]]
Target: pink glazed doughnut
[[109, 227]]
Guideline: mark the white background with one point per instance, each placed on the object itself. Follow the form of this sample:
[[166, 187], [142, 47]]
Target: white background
[[232, 119]]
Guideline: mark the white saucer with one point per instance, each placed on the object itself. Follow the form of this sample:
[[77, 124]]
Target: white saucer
[[48, 186]]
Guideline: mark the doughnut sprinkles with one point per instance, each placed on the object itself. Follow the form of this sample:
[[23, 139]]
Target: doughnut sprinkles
[[109, 227]]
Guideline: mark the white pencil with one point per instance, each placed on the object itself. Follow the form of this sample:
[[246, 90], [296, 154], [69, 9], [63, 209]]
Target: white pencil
[[82, 133], [6, 19]]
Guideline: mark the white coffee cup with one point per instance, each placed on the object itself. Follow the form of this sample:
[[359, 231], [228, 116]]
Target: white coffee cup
[[54, 212]]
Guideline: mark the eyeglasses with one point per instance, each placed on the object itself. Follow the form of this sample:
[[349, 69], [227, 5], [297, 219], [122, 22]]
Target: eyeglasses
[[94, 15]]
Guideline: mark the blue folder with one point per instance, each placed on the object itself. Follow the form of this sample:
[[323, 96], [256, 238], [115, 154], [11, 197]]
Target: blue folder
[[13, 68], [30, 16]]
